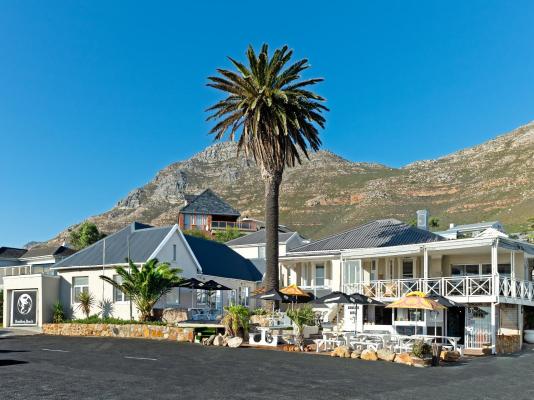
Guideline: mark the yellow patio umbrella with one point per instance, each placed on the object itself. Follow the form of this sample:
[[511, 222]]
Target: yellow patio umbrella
[[294, 290], [417, 300]]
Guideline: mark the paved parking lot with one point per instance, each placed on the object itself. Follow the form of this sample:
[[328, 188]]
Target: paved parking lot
[[46, 367]]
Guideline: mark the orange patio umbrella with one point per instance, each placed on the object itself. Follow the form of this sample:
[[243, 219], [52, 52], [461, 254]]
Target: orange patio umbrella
[[294, 290], [417, 300]]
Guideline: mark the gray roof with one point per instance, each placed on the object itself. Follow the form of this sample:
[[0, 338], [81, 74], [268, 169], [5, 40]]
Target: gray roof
[[113, 249], [379, 233], [258, 238], [208, 203], [41, 251], [468, 227], [11, 252]]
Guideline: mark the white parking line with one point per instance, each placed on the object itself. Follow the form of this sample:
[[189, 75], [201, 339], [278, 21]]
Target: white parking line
[[56, 350], [141, 358]]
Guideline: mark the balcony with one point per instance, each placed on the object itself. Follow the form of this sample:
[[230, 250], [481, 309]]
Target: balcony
[[23, 270], [244, 226], [464, 288]]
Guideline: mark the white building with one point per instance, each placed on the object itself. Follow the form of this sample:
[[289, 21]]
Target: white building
[[490, 276], [199, 258], [252, 246]]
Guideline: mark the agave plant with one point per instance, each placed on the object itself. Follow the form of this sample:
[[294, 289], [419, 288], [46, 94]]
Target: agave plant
[[86, 300], [146, 285], [277, 117]]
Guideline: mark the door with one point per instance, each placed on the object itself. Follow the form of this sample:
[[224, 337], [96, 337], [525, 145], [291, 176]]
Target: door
[[456, 322], [477, 327]]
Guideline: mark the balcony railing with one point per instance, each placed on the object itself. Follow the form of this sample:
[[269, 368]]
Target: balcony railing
[[465, 286], [241, 225]]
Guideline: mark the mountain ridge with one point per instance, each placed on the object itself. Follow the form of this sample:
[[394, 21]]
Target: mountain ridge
[[328, 193]]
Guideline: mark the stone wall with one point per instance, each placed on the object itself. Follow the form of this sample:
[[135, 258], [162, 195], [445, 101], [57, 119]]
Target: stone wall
[[141, 331], [508, 344]]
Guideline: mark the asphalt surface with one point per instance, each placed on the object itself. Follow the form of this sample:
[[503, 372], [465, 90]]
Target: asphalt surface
[[48, 367]]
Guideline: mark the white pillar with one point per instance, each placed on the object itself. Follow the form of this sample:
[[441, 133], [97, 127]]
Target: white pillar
[[493, 328], [512, 264], [495, 269], [425, 263]]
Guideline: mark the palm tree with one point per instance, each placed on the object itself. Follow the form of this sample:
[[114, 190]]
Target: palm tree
[[86, 301], [276, 117], [146, 285]]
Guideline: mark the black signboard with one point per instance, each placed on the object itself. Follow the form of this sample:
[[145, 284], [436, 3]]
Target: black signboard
[[24, 307]]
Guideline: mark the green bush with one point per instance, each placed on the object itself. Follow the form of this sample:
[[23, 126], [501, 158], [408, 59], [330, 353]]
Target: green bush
[[421, 349], [260, 311], [58, 313]]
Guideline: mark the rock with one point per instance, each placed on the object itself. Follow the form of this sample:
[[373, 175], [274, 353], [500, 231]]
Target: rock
[[403, 358], [235, 342], [225, 340], [260, 320], [369, 355], [421, 362], [218, 340], [356, 354], [341, 351], [174, 315], [450, 355], [209, 341], [386, 355]]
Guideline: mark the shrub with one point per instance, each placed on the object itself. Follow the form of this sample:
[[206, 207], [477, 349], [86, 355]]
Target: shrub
[[421, 349], [260, 311], [300, 317], [58, 313], [86, 300], [237, 320]]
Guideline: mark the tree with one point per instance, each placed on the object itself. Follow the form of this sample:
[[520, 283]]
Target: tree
[[237, 320], [145, 285], [86, 300], [433, 222], [276, 117], [85, 235], [228, 234]]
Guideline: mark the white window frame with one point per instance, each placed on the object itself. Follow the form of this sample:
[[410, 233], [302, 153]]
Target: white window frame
[[123, 296], [319, 266], [86, 286], [352, 272]]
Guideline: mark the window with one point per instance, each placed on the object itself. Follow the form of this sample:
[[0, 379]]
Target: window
[[374, 271], [505, 270], [173, 252], [407, 269], [243, 296], [202, 297], [117, 294], [173, 297], [352, 272], [486, 269], [261, 252], [79, 284], [319, 275]]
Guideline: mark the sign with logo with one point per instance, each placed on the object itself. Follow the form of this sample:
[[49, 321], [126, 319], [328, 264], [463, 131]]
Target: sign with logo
[[24, 307]]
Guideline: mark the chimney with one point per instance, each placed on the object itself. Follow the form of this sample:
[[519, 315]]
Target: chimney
[[451, 226], [422, 219]]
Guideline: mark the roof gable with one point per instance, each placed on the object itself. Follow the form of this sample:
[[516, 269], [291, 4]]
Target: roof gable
[[379, 233], [217, 259], [61, 251], [11, 252], [208, 203], [139, 240]]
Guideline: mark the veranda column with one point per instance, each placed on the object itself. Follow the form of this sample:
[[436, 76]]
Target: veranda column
[[495, 274], [425, 263]]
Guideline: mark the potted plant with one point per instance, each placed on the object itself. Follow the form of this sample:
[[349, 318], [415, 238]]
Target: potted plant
[[301, 317]]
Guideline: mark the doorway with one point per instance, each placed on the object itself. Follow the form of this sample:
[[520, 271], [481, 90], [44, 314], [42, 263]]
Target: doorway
[[456, 322]]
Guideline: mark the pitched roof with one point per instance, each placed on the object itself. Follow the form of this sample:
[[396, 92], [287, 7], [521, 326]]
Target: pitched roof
[[41, 251], [11, 252], [258, 238], [209, 203], [113, 249], [217, 259], [379, 233]]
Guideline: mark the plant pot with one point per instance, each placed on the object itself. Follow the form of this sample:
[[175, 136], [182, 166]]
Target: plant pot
[[529, 335]]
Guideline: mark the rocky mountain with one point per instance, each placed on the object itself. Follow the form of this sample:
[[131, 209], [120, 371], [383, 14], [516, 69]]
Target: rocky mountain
[[328, 194]]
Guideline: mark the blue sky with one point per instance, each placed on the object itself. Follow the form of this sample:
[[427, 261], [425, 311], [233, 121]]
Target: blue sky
[[96, 97]]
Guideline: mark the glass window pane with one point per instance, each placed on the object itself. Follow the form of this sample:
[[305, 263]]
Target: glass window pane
[[319, 275], [471, 269], [505, 269], [486, 269], [457, 270], [80, 280]]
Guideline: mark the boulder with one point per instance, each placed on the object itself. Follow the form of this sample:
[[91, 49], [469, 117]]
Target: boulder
[[218, 340], [174, 315], [356, 354], [421, 362], [235, 342], [450, 355], [341, 351], [386, 355], [369, 355], [403, 358], [209, 341]]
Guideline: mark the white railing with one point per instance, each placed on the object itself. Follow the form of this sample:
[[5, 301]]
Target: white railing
[[464, 286]]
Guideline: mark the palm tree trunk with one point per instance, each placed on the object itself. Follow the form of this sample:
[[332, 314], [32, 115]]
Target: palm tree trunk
[[272, 191]]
